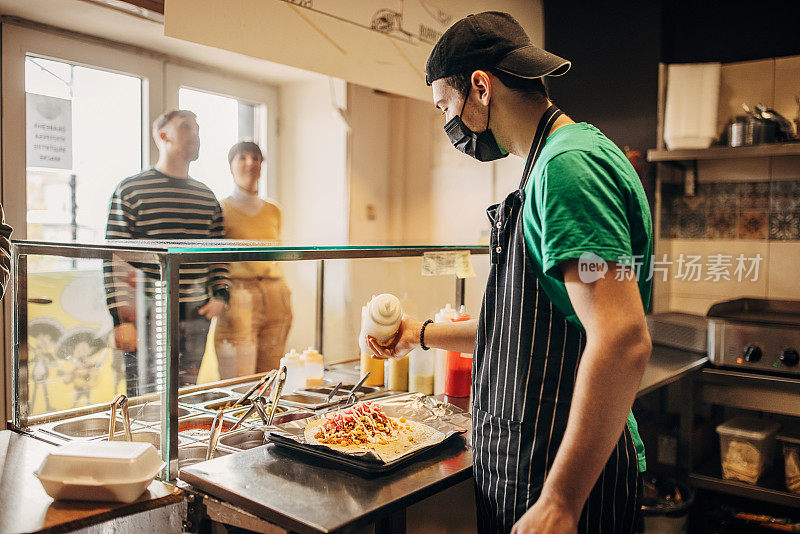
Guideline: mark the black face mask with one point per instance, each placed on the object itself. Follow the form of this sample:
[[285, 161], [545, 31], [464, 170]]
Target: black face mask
[[481, 146]]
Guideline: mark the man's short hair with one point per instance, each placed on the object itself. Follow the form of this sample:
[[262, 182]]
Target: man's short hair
[[167, 116], [245, 146], [532, 88]]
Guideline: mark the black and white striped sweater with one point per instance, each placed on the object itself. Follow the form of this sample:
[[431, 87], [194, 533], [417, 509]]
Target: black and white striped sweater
[[152, 205]]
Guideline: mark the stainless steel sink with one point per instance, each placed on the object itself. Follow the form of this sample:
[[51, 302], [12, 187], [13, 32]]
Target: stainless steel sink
[[202, 396], [89, 427], [193, 454], [243, 439], [151, 413]]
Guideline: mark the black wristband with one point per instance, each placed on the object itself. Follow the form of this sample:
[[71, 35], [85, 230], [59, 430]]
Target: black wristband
[[422, 334]]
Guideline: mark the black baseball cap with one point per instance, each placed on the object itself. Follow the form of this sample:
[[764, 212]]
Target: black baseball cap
[[490, 40]]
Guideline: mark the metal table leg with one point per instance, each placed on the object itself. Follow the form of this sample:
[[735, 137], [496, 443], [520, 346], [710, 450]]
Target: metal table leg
[[392, 524]]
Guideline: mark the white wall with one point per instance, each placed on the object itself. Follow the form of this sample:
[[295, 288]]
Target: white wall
[[313, 191], [421, 191]]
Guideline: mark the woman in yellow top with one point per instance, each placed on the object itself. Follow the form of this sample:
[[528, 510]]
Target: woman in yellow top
[[250, 336]]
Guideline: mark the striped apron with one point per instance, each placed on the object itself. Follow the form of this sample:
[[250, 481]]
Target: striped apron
[[524, 370]]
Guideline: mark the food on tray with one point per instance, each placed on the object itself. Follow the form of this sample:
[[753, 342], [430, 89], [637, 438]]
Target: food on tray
[[743, 461], [792, 463], [365, 427]]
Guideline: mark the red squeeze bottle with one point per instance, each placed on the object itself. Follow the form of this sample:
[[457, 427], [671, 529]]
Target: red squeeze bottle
[[458, 375]]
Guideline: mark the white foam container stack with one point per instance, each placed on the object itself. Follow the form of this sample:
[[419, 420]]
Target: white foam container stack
[[690, 115], [117, 471]]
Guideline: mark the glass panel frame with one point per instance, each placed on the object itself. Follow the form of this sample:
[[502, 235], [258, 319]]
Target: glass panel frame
[[169, 256]]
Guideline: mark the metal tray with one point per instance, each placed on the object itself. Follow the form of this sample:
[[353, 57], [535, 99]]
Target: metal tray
[[201, 397], [194, 454], [248, 438], [449, 420], [760, 311], [309, 401], [150, 413], [86, 427]]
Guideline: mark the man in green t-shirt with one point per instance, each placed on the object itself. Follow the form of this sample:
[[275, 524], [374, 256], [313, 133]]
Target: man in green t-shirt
[[562, 342]]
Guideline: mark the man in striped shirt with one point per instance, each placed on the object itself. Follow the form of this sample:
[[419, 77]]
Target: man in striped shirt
[[164, 203]]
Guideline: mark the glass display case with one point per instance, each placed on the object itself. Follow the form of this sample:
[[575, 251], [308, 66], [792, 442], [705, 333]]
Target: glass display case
[[92, 321]]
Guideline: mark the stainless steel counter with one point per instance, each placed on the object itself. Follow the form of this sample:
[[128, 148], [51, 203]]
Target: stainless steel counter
[[668, 365], [303, 495]]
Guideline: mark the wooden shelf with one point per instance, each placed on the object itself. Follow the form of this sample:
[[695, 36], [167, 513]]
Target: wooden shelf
[[725, 152], [769, 489]]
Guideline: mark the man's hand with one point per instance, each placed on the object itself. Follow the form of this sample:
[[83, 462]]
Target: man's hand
[[547, 517], [126, 313], [212, 308], [125, 337], [406, 340]]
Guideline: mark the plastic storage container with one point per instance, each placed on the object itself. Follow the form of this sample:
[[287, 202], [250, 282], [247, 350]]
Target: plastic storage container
[[440, 356], [314, 367], [99, 471], [396, 374], [746, 447], [458, 377], [370, 365], [295, 371], [791, 461], [420, 371]]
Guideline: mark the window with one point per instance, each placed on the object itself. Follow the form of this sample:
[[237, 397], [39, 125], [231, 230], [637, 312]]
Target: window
[[91, 120], [223, 121]]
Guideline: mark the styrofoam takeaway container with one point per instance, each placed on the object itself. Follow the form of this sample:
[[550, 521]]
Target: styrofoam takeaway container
[[99, 471]]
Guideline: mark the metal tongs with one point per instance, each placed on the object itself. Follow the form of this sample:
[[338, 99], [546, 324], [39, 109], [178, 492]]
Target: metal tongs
[[351, 397], [333, 392], [264, 380], [216, 430], [120, 401], [275, 380]]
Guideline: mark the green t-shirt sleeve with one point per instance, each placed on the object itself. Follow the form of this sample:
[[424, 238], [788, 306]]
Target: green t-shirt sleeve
[[581, 210], [633, 426]]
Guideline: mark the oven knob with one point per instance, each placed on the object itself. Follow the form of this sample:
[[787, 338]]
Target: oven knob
[[752, 354], [790, 357]]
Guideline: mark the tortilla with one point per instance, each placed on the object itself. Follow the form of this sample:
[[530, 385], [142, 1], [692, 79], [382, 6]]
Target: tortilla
[[408, 436]]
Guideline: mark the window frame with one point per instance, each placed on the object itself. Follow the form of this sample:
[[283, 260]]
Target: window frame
[[264, 96], [161, 75]]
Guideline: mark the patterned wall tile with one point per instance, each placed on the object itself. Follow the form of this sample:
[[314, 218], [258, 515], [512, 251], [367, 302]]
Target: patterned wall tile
[[724, 196], [784, 226], [692, 217], [784, 196], [721, 225], [754, 195], [732, 210], [753, 224]]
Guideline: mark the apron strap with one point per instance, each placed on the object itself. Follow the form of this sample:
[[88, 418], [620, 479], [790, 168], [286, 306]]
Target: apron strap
[[542, 130]]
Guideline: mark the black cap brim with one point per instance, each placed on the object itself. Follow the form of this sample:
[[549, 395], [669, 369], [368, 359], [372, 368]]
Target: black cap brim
[[532, 62]]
